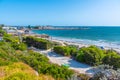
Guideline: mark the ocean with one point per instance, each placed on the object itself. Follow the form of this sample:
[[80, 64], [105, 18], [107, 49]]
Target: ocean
[[100, 36]]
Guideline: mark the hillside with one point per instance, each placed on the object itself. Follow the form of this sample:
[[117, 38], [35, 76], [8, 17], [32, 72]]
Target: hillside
[[16, 61], [21, 71]]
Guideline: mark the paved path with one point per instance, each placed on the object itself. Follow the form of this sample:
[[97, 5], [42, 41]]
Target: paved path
[[59, 59]]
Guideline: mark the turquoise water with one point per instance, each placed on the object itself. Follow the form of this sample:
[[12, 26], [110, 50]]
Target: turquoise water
[[104, 36]]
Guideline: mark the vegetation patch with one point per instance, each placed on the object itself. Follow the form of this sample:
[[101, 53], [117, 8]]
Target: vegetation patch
[[91, 55], [37, 42]]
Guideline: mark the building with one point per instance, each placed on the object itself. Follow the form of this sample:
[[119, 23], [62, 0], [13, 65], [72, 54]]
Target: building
[[11, 31], [26, 31], [9, 28]]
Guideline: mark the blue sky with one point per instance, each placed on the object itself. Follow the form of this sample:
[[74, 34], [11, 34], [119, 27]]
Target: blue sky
[[60, 12]]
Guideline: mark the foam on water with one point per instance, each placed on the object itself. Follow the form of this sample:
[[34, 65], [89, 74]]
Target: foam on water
[[91, 42], [100, 36]]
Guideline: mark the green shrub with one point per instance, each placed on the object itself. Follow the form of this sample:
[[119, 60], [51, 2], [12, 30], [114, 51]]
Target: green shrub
[[90, 55], [65, 50], [5, 62], [41, 64], [19, 46], [11, 51], [10, 38], [112, 58], [7, 54], [73, 50], [2, 32], [80, 56], [58, 49], [37, 42]]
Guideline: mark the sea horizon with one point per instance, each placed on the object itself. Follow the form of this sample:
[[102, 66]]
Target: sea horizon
[[100, 36]]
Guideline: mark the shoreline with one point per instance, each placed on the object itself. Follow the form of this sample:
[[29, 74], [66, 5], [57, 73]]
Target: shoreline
[[60, 60], [80, 43]]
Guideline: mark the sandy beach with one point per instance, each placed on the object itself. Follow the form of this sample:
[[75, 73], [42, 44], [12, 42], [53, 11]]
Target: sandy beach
[[70, 43], [63, 42]]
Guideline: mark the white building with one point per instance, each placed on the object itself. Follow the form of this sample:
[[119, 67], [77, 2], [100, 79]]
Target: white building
[[9, 28], [11, 31]]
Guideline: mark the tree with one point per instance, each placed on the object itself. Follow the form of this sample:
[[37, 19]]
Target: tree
[[29, 27], [1, 25]]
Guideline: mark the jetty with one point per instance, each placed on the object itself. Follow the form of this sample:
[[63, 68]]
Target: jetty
[[58, 28]]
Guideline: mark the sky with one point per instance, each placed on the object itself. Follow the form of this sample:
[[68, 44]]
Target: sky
[[60, 12]]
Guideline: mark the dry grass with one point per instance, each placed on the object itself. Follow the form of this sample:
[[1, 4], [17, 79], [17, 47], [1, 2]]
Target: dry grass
[[21, 71]]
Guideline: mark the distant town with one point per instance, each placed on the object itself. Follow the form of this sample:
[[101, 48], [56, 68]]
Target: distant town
[[47, 27], [26, 30], [56, 28]]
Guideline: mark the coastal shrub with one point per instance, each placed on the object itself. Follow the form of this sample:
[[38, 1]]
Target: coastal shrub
[[5, 62], [7, 53], [90, 55], [57, 71], [2, 31], [73, 50], [58, 49], [112, 58], [41, 64], [7, 37], [66, 50], [10, 38], [20, 46], [80, 55], [10, 52], [37, 42], [62, 50]]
